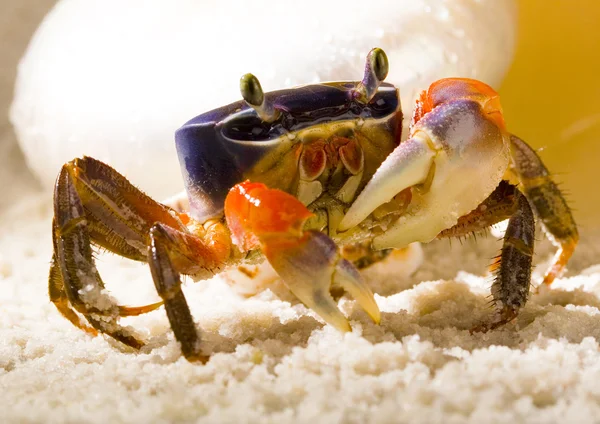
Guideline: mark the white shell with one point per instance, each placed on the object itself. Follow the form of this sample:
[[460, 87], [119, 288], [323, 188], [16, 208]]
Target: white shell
[[114, 79]]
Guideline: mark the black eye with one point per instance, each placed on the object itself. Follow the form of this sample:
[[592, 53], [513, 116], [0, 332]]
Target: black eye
[[356, 108], [249, 127], [288, 121], [379, 105], [246, 129]]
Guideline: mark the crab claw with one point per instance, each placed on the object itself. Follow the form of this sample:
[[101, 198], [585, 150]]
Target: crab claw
[[457, 153], [309, 266], [408, 165], [307, 261]]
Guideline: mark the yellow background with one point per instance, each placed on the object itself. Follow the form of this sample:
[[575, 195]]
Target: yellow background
[[551, 96]]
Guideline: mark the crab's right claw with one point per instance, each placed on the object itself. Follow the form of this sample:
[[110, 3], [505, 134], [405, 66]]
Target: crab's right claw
[[309, 266], [308, 262]]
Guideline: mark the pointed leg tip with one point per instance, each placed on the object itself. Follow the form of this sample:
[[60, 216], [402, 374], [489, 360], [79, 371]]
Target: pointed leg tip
[[504, 315], [197, 357], [134, 342], [131, 311], [127, 340], [90, 330]]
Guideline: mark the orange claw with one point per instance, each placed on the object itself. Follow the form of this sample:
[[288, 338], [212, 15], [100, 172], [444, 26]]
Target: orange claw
[[453, 89], [309, 262], [255, 213]]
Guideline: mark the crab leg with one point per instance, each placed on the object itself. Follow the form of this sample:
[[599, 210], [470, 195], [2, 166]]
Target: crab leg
[[510, 288], [81, 282], [59, 297], [548, 204], [362, 254], [307, 261], [513, 267], [167, 248], [499, 206], [95, 205]]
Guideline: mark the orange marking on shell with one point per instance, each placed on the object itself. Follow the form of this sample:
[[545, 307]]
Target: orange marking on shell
[[452, 89], [313, 160], [254, 213], [352, 157]]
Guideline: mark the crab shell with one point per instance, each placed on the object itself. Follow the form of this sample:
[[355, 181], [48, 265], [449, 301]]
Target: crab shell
[[228, 145]]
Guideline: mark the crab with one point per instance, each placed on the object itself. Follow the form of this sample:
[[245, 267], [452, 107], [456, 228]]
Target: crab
[[300, 177]]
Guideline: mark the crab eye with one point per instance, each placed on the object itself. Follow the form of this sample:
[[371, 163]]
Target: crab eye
[[376, 69], [251, 90], [253, 95], [379, 63]]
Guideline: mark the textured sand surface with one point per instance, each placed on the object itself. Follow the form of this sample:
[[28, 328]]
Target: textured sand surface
[[275, 362]]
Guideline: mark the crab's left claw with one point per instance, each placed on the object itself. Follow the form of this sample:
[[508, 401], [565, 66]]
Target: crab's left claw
[[457, 154], [408, 165], [307, 261]]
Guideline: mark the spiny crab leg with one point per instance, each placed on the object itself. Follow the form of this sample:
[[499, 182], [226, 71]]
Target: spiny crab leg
[[512, 267], [96, 206], [548, 204], [72, 259], [307, 261]]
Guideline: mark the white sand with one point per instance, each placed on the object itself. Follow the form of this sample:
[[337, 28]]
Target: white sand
[[273, 362]]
